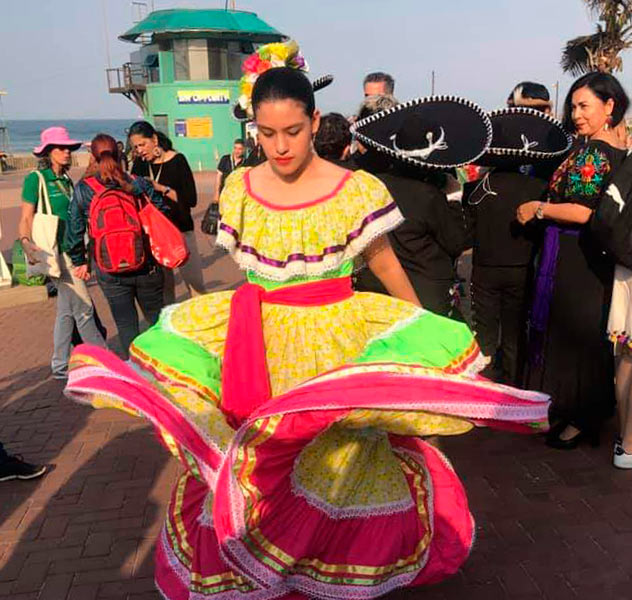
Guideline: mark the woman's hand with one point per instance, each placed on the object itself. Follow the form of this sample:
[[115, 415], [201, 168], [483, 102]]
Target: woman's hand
[[31, 250], [526, 212], [81, 272]]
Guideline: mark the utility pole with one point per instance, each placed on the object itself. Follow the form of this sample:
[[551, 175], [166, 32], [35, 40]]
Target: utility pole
[[432, 85], [106, 34]]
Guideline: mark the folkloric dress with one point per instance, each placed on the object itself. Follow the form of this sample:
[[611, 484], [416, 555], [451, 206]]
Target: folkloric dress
[[570, 357], [297, 409]]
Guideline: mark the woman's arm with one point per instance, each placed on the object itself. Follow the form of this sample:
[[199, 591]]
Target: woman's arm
[[74, 236], [382, 261], [25, 229], [565, 212]]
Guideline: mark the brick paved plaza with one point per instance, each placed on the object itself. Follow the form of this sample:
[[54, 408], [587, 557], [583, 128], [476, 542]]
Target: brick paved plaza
[[550, 524]]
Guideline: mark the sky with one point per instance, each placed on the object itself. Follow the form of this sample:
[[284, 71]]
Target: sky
[[55, 52]]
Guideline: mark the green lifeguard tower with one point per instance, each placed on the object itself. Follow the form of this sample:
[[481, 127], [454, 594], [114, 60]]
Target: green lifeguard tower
[[185, 75]]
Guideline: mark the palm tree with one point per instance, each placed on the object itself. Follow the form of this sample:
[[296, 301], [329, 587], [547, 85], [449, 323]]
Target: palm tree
[[600, 51]]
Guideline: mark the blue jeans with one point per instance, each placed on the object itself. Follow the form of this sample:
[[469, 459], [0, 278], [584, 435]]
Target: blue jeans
[[122, 291]]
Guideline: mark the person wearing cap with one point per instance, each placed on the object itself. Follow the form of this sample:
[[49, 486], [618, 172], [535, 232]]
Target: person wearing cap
[[74, 304], [503, 250]]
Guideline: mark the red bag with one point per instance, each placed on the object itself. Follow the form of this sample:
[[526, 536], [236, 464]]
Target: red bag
[[115, 226], [167, 243]]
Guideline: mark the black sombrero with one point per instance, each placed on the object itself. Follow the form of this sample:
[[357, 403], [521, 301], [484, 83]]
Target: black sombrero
[[438, 132], [523, 136], [318, 84]]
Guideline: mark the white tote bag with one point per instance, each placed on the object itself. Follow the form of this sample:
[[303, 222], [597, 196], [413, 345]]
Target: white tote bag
[[44, 235]]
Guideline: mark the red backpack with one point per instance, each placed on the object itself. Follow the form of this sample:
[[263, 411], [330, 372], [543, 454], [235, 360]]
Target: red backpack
[[115, 227]]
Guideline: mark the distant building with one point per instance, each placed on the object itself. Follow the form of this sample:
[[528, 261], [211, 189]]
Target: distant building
[[185, 75]]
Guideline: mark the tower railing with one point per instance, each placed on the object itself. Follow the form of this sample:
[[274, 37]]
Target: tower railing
[[131, 80]]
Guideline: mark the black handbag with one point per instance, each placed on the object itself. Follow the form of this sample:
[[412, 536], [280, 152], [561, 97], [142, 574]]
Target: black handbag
[[211, 219]]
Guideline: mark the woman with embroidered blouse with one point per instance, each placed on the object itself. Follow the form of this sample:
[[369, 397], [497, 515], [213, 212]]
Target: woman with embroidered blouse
[[297, 406], [570, 358]]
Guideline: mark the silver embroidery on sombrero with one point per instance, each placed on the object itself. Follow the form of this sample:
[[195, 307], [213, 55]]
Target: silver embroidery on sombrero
[[526, 144], [440, 144]]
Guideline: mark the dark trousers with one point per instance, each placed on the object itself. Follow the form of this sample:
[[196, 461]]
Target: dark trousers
[[436, 296], [499, 308], [122, 291], [3, 454]]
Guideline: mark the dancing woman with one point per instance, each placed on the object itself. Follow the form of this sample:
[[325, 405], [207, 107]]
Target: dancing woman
[[296, 406]]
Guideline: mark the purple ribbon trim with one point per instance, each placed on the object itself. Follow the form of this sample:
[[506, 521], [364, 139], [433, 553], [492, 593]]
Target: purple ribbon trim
[[309, 258], [544, 286]]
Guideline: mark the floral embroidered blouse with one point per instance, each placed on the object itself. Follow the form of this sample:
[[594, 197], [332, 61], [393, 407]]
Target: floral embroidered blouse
[[582, 177]]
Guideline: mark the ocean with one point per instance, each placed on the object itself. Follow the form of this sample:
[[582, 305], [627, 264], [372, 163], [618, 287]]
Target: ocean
[[25, 135]]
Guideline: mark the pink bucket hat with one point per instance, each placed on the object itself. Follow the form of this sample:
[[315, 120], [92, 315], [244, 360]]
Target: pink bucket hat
[[55, 136]]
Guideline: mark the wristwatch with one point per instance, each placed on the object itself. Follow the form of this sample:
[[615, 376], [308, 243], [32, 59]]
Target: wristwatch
[[539, 212], [167, 190]]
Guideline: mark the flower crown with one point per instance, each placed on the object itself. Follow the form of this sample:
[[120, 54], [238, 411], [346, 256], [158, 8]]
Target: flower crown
[[279, 54]]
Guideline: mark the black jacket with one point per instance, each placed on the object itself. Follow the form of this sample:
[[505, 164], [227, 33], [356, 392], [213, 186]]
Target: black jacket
[[432, 236], [490, 205]]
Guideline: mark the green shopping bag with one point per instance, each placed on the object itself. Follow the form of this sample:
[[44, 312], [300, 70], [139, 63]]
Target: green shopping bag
[[18, 258]]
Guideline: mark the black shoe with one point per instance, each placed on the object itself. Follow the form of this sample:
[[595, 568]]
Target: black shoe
[[15, 468], [554, 441]]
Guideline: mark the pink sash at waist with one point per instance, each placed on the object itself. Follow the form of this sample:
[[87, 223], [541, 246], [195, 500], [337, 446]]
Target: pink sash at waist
[[245, 379]]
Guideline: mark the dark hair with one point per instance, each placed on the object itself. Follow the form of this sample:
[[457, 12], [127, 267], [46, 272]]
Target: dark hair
[[528, 89], [147, 131], [284, 83], [605, 87], [108, 161], [239, 141], [379, 76], [333, 136], [45, 162]]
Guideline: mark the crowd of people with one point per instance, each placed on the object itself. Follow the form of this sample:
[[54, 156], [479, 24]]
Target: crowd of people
[[298, 403]]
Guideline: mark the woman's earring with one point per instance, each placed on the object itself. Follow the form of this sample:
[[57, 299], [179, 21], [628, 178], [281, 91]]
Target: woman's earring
[[608, 123], [157, 151]]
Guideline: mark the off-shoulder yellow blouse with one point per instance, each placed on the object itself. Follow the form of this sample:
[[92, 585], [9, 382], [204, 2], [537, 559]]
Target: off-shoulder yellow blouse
[[307, 240]]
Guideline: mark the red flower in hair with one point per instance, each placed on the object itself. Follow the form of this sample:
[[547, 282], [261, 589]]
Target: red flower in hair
[[263, 66], [251, 64]]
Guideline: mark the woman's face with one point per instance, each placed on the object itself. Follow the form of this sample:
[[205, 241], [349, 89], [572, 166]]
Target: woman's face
[[61, 156], [285, 134], [590, 113], [144, 147]]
